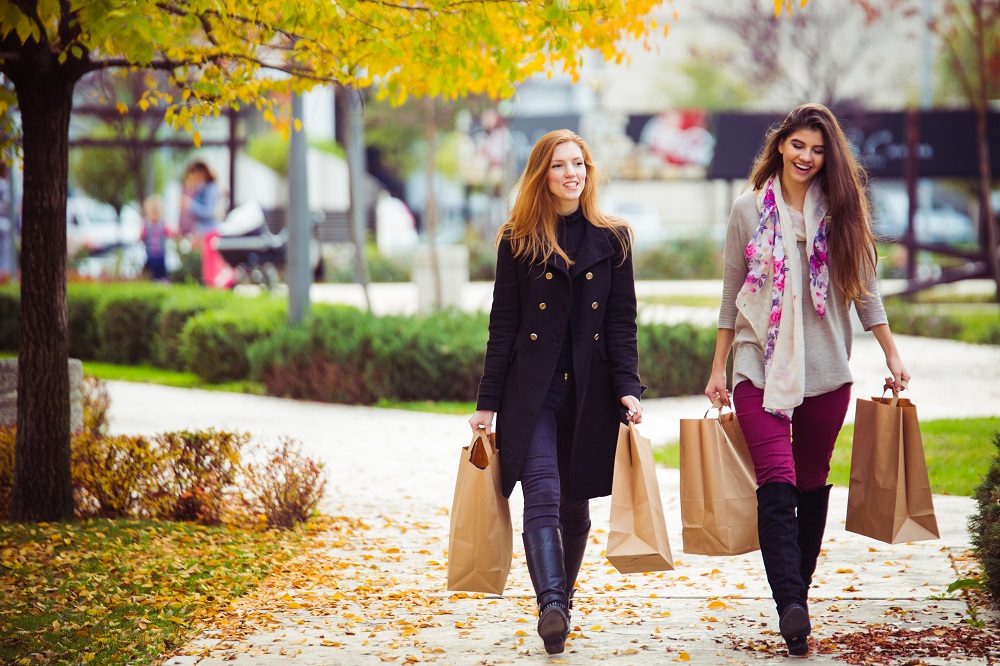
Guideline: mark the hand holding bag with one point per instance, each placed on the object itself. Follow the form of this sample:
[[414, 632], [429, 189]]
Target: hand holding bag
[[481, 539], [890, 494], [637, 539], [718, 486]]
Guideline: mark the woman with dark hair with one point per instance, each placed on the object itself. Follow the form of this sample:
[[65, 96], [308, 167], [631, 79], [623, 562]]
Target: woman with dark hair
[[799, 251], [561, 370], [199, 203]]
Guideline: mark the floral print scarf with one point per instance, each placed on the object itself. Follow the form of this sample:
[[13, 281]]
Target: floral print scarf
[[769, 299]]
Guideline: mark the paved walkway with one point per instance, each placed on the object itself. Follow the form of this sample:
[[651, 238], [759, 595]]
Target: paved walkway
[[378, 595]]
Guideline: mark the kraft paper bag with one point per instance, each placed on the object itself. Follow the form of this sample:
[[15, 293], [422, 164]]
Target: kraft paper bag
[[889, 498], [481, 540], [718, 487], [637, 539]]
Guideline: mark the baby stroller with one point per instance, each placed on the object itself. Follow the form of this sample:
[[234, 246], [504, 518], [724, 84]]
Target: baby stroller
[[253, 250]]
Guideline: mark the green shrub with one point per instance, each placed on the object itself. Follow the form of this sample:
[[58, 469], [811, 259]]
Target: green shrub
[[10, 314], [437, 357], [83, 302], [926, 321], [675, 360], [214, 343], [339, 265], [482, 260], [323, 359], [343, 355], [984, 524], [688, 259], [128, 320], [182, 304]]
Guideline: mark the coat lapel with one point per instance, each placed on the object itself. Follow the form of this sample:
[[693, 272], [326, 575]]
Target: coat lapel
[[596, 246]]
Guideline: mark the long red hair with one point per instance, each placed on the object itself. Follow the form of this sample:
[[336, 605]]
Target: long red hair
[[533, 222]]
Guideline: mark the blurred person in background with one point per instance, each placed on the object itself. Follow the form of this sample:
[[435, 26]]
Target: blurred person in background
[[155, 234], [200, 201]]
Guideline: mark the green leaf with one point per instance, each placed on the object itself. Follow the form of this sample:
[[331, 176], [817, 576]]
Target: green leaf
[[966, 584]]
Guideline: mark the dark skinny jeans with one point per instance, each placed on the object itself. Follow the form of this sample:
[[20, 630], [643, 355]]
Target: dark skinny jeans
[[544, 503]]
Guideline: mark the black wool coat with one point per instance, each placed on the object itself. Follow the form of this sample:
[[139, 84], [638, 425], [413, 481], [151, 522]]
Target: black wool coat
[[531, 307]]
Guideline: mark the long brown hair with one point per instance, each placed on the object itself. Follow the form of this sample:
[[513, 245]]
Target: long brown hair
[[850, 242], [531, 227]]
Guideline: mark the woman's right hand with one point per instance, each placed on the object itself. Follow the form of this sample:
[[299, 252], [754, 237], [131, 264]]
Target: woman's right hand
[[716, 387], [483, 418]]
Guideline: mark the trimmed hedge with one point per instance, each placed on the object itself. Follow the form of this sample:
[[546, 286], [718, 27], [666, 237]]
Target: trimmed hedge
[[341, 354], [181, 305], [214, 343], [127, 320], [83, 301], [10, 315], [675, 360]]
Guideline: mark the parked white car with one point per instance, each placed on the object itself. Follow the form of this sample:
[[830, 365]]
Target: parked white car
[[938, 224], [96, 227]]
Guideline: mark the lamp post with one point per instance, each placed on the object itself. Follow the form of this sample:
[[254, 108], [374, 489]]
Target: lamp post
[[299, 220]]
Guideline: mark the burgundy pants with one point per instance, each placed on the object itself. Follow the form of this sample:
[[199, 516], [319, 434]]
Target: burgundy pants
[[798, 452]]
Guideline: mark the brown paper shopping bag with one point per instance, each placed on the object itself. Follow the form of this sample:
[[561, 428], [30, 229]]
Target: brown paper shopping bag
[[718, 487], [481, 540], [637, 540], [889, 498]]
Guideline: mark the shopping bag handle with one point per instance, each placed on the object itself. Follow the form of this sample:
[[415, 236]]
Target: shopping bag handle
[[895, 395], [717, 404], [479, 454]]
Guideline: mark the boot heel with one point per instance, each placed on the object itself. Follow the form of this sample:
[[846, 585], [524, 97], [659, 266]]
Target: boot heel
[[553, 627], [795, 629]]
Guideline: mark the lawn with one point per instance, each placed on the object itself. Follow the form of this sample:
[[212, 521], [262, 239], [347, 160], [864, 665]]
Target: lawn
[[958, 453], [123, 591], [152, 375]]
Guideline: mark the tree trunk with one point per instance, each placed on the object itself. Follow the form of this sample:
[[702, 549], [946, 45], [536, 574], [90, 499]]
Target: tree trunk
[[983, 139], [985, 203], [42, 475]]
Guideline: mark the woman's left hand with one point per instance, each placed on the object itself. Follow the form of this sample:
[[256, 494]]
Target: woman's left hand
[[634, 408], [900, 377]]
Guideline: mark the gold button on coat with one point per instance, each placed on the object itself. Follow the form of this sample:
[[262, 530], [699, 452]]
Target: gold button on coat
[[533, 336], [594, 305], [590, 276], [541, 306], [548, 276], [597, 336]]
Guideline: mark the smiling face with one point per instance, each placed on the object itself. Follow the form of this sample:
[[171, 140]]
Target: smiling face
[[567, 176], [802, 155]]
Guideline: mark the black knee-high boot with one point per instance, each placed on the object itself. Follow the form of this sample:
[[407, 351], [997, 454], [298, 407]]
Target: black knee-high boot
[[813, 507], [574, 546], [778, 532], [543, 549]]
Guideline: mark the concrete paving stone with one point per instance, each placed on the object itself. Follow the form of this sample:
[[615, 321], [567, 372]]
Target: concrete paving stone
[[378, 593]]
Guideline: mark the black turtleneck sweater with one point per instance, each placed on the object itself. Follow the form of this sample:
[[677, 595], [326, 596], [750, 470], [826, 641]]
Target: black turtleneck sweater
[[570, 235]]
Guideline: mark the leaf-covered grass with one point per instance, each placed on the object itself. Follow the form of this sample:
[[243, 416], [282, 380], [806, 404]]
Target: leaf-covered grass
[[958, 453], [123, 592]]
